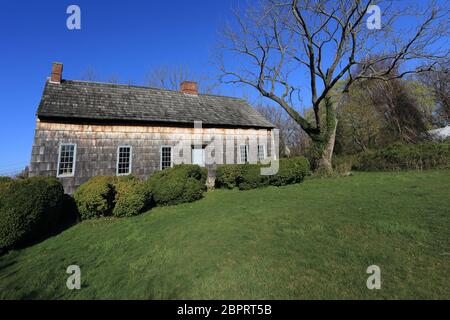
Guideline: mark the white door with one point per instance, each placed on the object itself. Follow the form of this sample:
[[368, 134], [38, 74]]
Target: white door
[[198, 156]]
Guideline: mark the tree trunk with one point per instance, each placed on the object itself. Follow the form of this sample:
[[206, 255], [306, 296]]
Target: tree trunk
[[324, 162], [327, 138]]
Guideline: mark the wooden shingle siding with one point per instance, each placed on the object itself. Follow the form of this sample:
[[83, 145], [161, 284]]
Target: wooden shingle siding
[[96, 151]]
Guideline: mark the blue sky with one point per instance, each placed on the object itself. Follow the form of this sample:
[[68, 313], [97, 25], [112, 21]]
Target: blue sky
[[125, 39], [120, 38]]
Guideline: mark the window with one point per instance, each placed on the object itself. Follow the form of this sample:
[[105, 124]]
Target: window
[[261, 152], [243, 153], [124, 156], [66, 159], [166, 157]]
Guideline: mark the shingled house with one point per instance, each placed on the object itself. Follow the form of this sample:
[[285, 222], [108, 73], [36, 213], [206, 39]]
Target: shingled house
[[84, 129]]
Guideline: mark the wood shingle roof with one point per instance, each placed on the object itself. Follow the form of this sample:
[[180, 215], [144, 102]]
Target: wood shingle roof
[[82, 100]]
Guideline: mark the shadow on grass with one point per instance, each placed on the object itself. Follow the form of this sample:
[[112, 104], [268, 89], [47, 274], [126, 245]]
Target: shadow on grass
[[69, 216], [4, 266]]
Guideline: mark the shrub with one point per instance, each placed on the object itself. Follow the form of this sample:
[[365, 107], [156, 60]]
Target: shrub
[[406, 157], [182, 183], [343, 164], [95, 197], [132, 197], [248, 176], [292, 170], [29, 209], [244, 176], [227, 175], [4, 181], [194, 190]]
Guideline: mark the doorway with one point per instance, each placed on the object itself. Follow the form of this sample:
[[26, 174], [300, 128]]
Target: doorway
[[198, 155]]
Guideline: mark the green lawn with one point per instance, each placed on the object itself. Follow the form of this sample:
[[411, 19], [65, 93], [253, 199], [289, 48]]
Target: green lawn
[[314, 240]]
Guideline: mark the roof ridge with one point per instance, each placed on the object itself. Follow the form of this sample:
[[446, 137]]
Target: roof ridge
[[148, 87]]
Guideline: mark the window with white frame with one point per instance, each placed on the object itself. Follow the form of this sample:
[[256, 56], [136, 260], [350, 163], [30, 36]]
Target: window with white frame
[[124, 157], [166, 157], [261, 152], [66, 159], [243, 148]]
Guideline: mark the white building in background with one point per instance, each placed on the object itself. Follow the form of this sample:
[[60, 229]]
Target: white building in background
[[441, 133]]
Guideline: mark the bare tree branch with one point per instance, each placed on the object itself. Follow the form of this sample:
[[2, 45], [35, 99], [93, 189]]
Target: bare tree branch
[[279, 41]]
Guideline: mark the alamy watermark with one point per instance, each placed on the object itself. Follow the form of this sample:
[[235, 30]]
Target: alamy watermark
[[73, 22], [241, 146], [374, 280], [74, 281], [374, 20]]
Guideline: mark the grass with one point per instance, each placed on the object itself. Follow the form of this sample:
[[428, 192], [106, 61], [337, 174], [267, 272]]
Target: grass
[[314, 240]]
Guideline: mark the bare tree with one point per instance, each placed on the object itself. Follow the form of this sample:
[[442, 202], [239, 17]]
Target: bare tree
[[113, 78], [89, 74], [293, 140], [276, 43], [171, 77], [167, 77], [439, 82]]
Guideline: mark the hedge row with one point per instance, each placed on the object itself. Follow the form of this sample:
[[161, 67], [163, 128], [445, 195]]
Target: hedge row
[[128, 196], [30, 209], [405, 157], [248, 176]]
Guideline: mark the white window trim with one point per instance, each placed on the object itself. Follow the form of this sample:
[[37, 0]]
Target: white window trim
[[160, 155], [240, 153], [117, 160], [264, 151], [64, 175]]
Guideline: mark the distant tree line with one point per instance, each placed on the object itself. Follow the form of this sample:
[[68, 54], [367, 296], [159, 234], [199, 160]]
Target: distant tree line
[[375, 114]]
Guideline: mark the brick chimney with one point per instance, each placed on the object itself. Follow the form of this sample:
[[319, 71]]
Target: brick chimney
[[56, 75], [189, 87]]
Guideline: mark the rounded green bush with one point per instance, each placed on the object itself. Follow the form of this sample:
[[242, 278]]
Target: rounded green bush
[[132, 197], [182, 183], [29, 209], [248, 176], [194, 190], [290, 171], [95, 198], [227, 176]]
